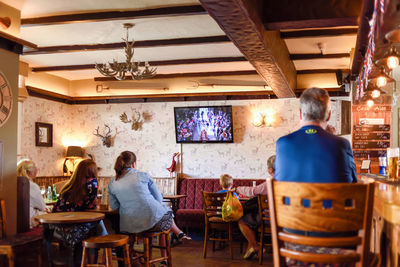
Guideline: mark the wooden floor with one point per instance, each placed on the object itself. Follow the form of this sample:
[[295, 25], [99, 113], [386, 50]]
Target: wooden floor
[[191, 254], [188, 254]]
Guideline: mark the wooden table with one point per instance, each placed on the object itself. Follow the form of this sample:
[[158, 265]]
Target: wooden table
[[174, 199], [73, 227]]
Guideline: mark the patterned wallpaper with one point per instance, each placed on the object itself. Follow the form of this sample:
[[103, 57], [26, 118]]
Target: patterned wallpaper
[[155, 143]]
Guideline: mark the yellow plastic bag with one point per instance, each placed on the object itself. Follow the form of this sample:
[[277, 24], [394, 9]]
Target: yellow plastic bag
[[231, 208]]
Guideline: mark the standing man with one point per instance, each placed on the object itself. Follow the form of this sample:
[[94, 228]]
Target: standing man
[[311, 154]]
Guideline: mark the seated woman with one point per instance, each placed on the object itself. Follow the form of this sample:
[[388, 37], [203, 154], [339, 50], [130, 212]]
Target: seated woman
[[251, 221], [37, 206], [139, 201], [80, 192]]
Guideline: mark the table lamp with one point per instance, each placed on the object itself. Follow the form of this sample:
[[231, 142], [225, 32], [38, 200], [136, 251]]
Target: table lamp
[[73, 153]]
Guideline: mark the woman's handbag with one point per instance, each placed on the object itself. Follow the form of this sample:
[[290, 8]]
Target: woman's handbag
[[250, 206], [231, 208]]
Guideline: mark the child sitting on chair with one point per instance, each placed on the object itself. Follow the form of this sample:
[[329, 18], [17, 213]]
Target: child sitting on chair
[[226, 182]]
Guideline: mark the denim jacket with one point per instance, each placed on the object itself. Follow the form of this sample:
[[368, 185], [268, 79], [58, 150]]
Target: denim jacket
[[138, 199]]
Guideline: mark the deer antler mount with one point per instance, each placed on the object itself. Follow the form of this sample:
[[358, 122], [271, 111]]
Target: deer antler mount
[[107, 137], [136, 120]]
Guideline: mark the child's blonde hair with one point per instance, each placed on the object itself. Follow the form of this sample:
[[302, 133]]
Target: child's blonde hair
[[225, 181]]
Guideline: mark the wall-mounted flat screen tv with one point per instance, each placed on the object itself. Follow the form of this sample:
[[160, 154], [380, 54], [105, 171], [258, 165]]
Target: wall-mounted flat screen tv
[[205, 124]]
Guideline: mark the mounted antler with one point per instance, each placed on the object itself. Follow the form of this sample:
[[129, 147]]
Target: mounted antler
[[136, 120], [124, 118], [107, 138]]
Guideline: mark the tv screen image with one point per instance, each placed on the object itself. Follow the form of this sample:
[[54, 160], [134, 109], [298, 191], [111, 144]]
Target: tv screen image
[[206, 124]]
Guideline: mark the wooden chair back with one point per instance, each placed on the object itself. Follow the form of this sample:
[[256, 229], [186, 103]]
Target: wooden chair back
[[23, 203], [321, 207], [212, 203], [265, 227], [59, 185], [3, 228]]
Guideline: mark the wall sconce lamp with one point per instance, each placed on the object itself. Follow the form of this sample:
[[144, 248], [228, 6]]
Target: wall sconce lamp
[[263, 119], [73, 153]]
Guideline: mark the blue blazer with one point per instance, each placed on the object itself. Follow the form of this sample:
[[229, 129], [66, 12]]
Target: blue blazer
[[313, 155]]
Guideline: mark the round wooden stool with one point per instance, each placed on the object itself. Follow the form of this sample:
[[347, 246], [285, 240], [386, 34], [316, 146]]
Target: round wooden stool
[[106, 242], [148, 246]]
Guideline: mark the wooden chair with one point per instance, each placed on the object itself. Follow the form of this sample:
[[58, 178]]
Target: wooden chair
[[212, 203], [147, 253], [59, 185], [106, 242], [10, 245], [318, 207], [265, 227]]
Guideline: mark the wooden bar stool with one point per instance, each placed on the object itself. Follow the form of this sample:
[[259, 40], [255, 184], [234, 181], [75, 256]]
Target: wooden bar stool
[[106, 242], [148, 246]]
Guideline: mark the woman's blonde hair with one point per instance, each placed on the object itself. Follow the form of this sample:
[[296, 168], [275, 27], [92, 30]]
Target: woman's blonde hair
[[25, 167], [225, 181]]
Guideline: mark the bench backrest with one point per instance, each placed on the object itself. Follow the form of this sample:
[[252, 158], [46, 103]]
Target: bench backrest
[[192, 188]]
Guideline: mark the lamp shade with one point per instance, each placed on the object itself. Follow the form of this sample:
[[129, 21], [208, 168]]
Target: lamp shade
[[74, 152]]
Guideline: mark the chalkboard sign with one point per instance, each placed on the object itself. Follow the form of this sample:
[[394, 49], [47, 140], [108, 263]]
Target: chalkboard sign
[[370, 153], [371, 128], [371, 136], [370, 144]]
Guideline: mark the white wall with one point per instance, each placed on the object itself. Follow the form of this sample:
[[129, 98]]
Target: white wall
[[155, 143]]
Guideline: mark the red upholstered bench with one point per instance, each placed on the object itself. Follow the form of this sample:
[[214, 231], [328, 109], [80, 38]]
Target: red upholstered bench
[[190, 213]]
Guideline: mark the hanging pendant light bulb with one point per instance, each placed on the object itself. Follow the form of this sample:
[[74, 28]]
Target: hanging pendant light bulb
[[381, 79], [370, 103], [392, 62], [376, 93], [390, 59]]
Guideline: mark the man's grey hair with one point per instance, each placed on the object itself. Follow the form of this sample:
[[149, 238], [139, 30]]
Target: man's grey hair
[[314, 104]]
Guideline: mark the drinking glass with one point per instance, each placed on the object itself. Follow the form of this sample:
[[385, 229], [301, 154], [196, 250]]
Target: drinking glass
[[393, 162]]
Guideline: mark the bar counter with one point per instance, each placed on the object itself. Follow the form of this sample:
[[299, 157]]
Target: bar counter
[[385, 238]]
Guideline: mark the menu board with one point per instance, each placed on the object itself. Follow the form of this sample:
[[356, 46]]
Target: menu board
[[371, 130]]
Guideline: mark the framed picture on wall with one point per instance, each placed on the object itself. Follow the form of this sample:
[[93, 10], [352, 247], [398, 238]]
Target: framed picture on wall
[[44, 134]]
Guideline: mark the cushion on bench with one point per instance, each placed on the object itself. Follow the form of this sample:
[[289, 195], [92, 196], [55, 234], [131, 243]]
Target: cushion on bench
[[190, 212]]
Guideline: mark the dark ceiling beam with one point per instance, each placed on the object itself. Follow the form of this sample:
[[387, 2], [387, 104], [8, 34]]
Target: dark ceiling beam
[[16, 40], [115, 15], [317, 56], [138, 44], [320, 71], [318, 33], [188, 74], [362, 36], [152, 63], [265, 50], [311, 23], [306, 14]]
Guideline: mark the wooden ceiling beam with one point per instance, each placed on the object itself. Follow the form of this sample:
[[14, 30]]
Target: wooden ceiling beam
[[152, 63], [311, 23], [188, 74], [318, 33], [317, 56], [114, 15], [320, 71], [265, 50], [138, 44]]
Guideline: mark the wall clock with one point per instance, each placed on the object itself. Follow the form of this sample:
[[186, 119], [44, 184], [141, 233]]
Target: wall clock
[[5, 99]]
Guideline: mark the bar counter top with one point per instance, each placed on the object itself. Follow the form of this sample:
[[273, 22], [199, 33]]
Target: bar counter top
[[386, 218]]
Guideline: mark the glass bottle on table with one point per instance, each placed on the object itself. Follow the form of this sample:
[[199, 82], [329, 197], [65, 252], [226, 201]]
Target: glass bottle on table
[[54, 193], [49, 194]]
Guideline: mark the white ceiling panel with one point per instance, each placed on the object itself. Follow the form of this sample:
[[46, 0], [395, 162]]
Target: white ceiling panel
[[37, 8], [113, 31], [337, 44], [208, 67], [141, 54], [331, 63]]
